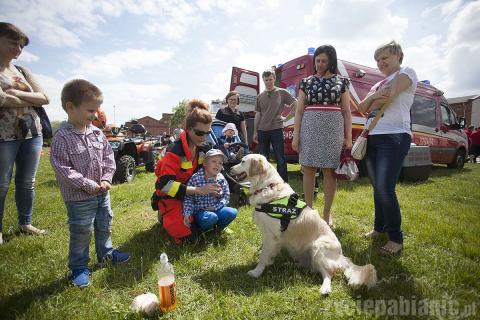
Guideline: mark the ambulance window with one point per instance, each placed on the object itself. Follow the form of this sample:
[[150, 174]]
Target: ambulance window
[[424, 111], [447, 116]]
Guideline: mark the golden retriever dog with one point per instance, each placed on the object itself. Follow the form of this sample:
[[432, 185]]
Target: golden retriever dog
[[308, 238]]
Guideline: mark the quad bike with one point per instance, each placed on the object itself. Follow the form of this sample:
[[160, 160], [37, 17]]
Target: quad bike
[[131, 151]]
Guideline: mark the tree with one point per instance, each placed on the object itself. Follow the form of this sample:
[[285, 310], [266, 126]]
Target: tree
[[178, 114], [55, 125]]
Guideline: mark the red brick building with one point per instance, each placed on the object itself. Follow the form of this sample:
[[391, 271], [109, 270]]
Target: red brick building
[[155, 127], [468, 107]]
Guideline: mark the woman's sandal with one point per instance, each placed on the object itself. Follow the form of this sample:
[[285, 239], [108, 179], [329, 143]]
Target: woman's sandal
[[391, 248], [31, 230]]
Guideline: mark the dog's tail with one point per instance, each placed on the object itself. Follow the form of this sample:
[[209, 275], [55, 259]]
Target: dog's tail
[[359, 275]]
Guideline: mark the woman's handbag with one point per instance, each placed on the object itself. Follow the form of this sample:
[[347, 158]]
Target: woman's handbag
[[359, 148], [47, 131], [347, 169]]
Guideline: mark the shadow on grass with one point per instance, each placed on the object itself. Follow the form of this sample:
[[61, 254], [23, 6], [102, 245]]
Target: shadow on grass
[[443, 171], [14, 306], [395, 281], [145, 249]]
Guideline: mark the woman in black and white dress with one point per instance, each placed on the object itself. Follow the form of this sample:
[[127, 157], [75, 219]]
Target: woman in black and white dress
[[323, 125]]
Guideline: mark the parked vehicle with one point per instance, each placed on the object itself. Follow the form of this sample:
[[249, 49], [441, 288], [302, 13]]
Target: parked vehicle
[[132, 149], [434, 123]]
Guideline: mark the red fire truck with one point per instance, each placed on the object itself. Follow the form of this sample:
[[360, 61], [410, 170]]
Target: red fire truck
[[434, 123]]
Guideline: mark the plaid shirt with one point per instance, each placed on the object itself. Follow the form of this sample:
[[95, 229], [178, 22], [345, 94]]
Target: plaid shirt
[[81, 161], [197, 202]]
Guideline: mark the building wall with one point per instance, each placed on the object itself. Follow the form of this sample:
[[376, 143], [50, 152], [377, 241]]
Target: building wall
[[156, 127], [463, 109], [475, 114]]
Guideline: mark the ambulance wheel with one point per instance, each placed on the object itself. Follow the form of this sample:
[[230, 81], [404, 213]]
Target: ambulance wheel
[[459, 160], [125, 169]]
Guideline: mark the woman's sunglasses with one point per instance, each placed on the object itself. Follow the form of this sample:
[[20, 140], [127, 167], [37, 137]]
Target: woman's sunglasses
[[200, 133]]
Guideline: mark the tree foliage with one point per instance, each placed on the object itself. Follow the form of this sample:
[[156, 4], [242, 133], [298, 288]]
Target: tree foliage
[[178, 114]]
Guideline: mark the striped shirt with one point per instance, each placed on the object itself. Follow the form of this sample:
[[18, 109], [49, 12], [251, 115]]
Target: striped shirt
[[81, 161], [196, 202]]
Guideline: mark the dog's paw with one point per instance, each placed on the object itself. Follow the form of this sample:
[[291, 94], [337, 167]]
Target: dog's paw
[[326, 287], [325, 290], [254, 273]]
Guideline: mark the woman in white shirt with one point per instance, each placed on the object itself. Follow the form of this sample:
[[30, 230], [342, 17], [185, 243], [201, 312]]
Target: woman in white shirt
[[389, 141]]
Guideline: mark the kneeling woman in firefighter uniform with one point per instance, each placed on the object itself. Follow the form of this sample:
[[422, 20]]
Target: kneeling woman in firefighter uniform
[[177, 166]]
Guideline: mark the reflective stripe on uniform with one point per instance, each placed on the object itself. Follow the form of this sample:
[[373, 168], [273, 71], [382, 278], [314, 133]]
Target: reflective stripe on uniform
[[171, 188]]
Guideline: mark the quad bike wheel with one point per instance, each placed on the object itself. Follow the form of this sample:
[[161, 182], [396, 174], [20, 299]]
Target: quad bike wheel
[[125, 169]]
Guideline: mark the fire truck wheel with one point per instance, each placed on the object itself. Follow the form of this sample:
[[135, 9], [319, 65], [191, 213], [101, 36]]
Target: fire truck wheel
[[459, 160], [125, 169]]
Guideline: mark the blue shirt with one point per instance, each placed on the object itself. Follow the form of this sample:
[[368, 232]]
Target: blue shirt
[[197, 202]]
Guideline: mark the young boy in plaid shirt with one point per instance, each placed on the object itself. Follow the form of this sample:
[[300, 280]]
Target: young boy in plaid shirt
[[209, 211], [84, 165]]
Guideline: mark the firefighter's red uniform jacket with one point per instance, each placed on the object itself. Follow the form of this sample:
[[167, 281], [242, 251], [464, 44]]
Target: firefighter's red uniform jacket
[[173, 172]]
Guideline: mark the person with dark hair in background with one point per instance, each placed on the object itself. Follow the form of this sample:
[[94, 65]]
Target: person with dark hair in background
[[268, 124], [323, 126], [20, 129], [173, 171], [475, 138], [230, 114]]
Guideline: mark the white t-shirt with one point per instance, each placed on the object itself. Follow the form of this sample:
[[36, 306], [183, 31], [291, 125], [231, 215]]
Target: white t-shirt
[[396, 118]]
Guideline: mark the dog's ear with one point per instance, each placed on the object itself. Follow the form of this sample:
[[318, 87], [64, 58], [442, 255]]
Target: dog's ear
[[257, 167]]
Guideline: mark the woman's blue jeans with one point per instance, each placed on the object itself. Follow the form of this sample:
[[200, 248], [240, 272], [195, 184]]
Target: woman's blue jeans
[[25, 154], [207, 220], [275, 137], [82, 215], [385, 155]]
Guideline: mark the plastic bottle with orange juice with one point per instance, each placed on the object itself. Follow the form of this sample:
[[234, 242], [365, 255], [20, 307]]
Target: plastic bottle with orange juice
[[167, 288]]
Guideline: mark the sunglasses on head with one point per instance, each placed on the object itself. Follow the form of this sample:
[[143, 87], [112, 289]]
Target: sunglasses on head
[[200, 133]]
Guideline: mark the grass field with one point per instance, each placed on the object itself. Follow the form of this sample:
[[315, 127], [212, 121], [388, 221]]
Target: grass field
[[436, 275]]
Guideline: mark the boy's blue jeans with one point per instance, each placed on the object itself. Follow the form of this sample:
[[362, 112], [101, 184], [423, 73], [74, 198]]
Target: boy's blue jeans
[[207, 220], [274, 137], [385, 155], [25, 154], [82, 215]]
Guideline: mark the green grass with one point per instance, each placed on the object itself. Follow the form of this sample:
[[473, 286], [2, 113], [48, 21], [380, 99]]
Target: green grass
[[440, 262]]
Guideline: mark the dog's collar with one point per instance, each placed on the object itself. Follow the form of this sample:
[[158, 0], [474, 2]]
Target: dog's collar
[[271, 185]]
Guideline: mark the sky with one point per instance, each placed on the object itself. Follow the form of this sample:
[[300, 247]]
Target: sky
[[146, 56]]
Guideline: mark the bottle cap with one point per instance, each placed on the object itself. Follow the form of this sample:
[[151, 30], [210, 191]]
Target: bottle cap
[[163, 258]]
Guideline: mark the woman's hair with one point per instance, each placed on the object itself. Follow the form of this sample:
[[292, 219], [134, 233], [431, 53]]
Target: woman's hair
[[8, 30], [332, 57], [197, 111], [393, 47], [233, 93], [77, 91]]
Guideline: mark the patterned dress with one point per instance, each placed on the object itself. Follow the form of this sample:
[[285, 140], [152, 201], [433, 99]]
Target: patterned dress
[[322, 130]]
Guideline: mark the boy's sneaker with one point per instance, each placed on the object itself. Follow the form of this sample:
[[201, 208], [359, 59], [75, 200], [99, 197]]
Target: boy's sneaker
[[80, 277], [227, 230], [116, 257]]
